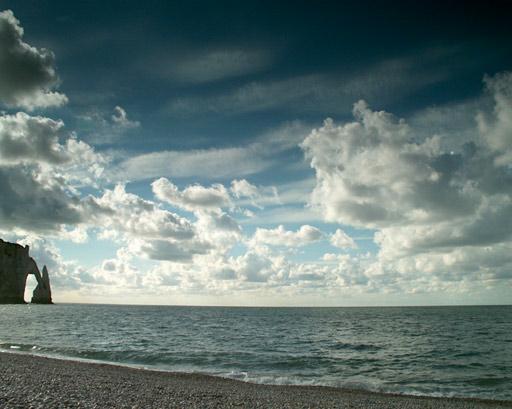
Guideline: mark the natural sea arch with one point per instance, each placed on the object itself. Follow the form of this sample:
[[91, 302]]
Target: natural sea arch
[[30, 286], [15, 266]]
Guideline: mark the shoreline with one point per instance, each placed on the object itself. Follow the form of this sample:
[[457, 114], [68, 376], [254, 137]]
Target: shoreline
[[28, 380]]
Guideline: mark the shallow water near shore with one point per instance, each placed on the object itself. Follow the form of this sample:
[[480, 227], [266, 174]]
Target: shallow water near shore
[[436, 351]]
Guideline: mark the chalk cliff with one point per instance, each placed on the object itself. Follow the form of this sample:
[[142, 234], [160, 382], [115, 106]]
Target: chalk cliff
[[15, 266]]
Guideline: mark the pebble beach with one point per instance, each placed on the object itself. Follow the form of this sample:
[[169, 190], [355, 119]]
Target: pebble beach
[[28, 381]]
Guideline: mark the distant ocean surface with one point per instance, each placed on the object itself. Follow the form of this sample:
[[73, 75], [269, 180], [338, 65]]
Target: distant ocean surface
[[437, 351]]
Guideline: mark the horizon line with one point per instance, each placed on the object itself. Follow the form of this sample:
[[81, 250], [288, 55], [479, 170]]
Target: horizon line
[[280, 306]]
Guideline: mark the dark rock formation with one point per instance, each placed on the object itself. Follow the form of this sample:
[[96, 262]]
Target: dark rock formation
[[15, 266], [42, 293]]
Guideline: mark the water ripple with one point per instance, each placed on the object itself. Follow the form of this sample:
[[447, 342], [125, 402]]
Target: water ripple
[[441, 351]]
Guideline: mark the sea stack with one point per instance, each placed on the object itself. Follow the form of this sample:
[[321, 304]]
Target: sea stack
[[15, 265], [42, 293]]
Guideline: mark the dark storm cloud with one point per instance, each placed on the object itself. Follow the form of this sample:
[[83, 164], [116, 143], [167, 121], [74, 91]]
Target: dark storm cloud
[[31, 204], [27, 73]]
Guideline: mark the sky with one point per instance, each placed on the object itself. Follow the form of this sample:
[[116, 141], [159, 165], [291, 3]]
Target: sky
[[259, 153]]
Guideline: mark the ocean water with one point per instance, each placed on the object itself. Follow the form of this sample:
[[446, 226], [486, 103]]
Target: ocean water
[[438, 351]]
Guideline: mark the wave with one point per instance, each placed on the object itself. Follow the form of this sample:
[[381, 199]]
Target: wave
[[356, 383], [356, 346], [328, 347]]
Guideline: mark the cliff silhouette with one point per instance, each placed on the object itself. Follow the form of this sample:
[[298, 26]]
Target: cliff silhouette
[[15, 266]]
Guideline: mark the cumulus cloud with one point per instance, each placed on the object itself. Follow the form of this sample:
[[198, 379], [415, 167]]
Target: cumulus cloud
[[497, 130], [218, 228], [41, 167], [149, 231], [27, 74], [114, 273], [31, 138], [371, 173], [42, 180], [126, 212], [44, 172], [342, 240], [279, 236], [433, 209], [39, 175], [254, 267], [257, 196], [32, 203], [242, 188], [35, 141], [212, 224], [192, 198]]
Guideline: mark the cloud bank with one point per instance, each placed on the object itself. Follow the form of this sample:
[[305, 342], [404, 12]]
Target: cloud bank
[[434, 210]]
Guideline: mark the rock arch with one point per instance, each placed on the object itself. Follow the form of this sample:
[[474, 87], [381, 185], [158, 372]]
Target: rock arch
[[15, 265]]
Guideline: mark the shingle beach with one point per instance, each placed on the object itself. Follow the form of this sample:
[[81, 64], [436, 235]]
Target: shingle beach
[[35, 382]]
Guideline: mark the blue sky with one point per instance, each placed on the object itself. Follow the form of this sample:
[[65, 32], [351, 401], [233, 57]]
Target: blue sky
[[254, 153]]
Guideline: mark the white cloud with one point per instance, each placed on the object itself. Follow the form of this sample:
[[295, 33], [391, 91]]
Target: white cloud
[[219, 229], [371, 173], [497, 131], [296, 192], [454, 119], [34, 142], [39, 176], [152, 232], [279, 236], [114, 273], [120, 119], [212, 224], [33, 139], [254, 267], [215, 163], [27, 73], [242, 188], [436, 212], [246, 192], [342, 240], [140, 218], [176, 251], [210, 163], [192, 198]]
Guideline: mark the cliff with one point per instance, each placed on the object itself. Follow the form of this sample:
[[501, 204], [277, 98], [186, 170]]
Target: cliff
[[15, 265]]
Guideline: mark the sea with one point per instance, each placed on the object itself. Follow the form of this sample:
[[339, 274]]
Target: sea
[[435, 351]]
